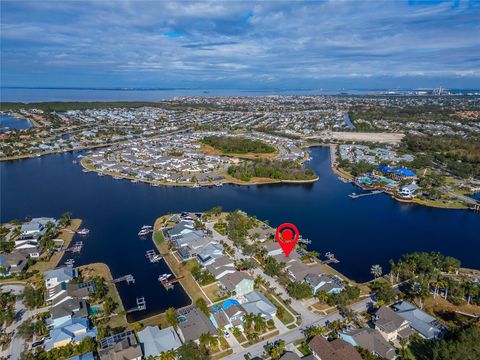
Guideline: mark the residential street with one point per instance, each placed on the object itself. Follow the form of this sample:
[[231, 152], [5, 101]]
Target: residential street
[[296, 334], [17, 345]]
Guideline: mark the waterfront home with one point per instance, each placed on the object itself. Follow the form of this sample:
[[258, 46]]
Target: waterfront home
[[282, 258], [408, 191], [371, 340], [56, 276], [391, 325], [222, 266], [210, 253], [192, 323], [256, 303], [155, 341], [12, 263], [337, 349], [288, 355], [298, 270], [123, 346], [426, 325], [180, 229], [70, 332], [37, 226], [65, 291], [67, 310], [261, 233], [331, 284], [238, 283], [272, 248]]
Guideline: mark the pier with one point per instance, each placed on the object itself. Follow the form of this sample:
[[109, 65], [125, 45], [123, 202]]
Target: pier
[[331, 259], [153, 256], [141, 305], [76, 248], [128, 278], [356, 196], [304, 241], [168, 284]]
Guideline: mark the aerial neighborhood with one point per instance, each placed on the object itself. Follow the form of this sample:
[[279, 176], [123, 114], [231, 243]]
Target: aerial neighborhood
[[244, 291]]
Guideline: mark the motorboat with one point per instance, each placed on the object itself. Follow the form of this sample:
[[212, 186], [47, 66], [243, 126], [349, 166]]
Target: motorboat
[[83, 231]]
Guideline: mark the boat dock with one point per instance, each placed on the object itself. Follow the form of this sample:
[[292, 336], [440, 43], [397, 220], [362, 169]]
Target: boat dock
[[168, 284], [141, 305], [331, 259], [76, 248], [128, 278], [153, 256], [304, 241], [356, 196]]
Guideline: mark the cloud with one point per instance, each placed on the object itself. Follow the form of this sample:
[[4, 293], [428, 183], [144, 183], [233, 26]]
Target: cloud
[[138, 43]]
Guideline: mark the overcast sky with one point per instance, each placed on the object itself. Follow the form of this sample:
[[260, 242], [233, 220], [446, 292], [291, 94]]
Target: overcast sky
[[268, 44]]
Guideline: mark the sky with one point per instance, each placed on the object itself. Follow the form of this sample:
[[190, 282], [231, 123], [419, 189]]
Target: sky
[[246, 44]]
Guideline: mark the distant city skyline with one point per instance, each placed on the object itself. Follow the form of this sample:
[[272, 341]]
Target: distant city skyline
[[233, 45]]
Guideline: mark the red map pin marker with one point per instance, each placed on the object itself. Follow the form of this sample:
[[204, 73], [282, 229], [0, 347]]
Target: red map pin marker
[[287, 236]]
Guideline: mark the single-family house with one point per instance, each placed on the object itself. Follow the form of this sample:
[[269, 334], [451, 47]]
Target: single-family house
[[72, 331], [371, 340], [56, 276], [272, 249], [67, 310], [337, 349], [192, 323], [426, 325], [154, 341], [237, 282], [256, 303], [391, 325], [408, 191], [13, 263], [123, 346], [331, 284]]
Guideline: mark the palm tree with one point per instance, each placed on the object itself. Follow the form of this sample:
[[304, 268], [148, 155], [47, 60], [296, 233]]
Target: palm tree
[[168, 355], [376, 271], [248, 321], [260, 324], [207, 339], [171, 317], [322, 296], [252, 336]]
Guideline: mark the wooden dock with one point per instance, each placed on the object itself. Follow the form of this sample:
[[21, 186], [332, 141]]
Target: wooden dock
[[168, 284], [153, 256], [141, 305], [304, 241], [128, 278], [331, 259], [356, 196]]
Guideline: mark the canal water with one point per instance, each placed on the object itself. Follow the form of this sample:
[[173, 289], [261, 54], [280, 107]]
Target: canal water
[[8, 122], [360, 232]]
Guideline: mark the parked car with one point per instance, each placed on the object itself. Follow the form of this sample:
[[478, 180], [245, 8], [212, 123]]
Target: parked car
[[225, 332]]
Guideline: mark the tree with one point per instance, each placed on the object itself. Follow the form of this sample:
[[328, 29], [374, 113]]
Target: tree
[[191, 351], [383, 290], [109, 305], [171, 317], [260, 324], [248, 320], [311, 331], [376, 271], [299, 290], [207, 339], [26, 330], [202, 305], [274, 350], [168, 355], [32, 298]]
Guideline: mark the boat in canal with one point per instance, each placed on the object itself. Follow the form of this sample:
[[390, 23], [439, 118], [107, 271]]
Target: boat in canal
[[83, 231]]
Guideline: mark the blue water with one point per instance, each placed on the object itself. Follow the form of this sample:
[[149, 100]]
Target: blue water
[[8, 122], [37, 95], [361, 232]]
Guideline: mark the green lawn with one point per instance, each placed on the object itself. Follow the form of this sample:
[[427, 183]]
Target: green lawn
[[287, 318], [158, 237]]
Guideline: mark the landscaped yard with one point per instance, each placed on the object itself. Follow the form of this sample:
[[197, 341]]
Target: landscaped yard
[[212, 292], [158, 237], [286, 317]]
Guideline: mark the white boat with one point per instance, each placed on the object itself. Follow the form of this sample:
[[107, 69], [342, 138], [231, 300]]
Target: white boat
[[196, 186], [100, 174], [79, 156], [163, 277], [144, 232], [218, 184], [85, 170], [134, 181], [83, 231], [146, 227]]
